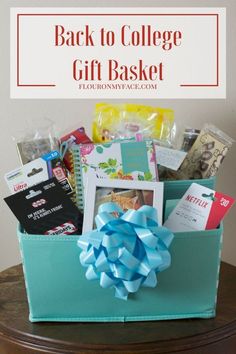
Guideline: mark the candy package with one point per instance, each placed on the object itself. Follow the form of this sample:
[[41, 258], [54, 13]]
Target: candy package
[[77, 136], [125, 121], [206, 154]]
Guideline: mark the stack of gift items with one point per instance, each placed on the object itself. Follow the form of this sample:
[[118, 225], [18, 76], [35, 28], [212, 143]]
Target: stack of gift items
[[110, 189]]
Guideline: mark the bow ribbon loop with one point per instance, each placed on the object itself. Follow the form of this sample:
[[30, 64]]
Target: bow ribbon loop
[[127, 250]]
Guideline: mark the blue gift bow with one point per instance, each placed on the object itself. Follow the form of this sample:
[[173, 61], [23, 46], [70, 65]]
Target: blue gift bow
[[125, 252]]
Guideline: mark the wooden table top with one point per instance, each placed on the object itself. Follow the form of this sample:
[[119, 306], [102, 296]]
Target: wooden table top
[[195, 336]]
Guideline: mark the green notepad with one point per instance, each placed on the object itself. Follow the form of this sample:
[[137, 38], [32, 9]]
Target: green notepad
[[118, 160]]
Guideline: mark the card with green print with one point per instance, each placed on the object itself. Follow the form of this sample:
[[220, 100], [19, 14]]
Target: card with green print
[[119, 160]]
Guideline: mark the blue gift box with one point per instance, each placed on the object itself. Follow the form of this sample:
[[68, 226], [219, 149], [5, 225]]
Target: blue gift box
[[57, 289]]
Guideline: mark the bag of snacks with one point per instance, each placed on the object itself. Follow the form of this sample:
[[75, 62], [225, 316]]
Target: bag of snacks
[[125, 121]]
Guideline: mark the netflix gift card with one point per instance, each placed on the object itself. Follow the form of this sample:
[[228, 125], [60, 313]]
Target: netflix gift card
[[46, 209], [200, 208]]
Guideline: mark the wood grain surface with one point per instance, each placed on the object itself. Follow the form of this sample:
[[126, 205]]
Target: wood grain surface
[[192, 336]]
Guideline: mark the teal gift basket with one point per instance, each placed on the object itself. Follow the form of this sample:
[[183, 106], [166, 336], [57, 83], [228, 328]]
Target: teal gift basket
[[57, 289]]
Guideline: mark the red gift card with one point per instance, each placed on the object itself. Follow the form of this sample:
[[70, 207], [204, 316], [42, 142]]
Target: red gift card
[[219, 207]]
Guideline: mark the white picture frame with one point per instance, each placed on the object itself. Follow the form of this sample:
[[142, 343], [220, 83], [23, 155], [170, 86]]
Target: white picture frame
[[95, 184]]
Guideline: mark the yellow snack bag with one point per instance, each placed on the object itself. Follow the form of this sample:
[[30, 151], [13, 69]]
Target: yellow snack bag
[[125, 121]]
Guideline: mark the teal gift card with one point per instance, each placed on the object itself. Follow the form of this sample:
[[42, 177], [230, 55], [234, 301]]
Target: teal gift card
[[134, 157]]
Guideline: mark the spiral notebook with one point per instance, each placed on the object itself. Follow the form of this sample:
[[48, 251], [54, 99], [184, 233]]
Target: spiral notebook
[[121, 160]]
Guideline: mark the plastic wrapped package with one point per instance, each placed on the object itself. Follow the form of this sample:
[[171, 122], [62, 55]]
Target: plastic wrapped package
[[125, 121], [36, 139], [207, 153], [189, 137]]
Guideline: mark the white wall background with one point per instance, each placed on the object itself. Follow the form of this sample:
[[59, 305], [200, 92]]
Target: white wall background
[[69, 114]]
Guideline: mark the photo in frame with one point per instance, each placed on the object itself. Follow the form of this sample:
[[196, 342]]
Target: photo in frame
[[127, 194]]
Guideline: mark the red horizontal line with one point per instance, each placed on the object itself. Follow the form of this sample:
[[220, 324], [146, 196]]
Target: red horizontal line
[[152, 14], [199, 85], [38, 85]]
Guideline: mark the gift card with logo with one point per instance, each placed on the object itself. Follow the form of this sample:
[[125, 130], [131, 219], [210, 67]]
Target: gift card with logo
[[200, 208], [46, 209], [39, 170]]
